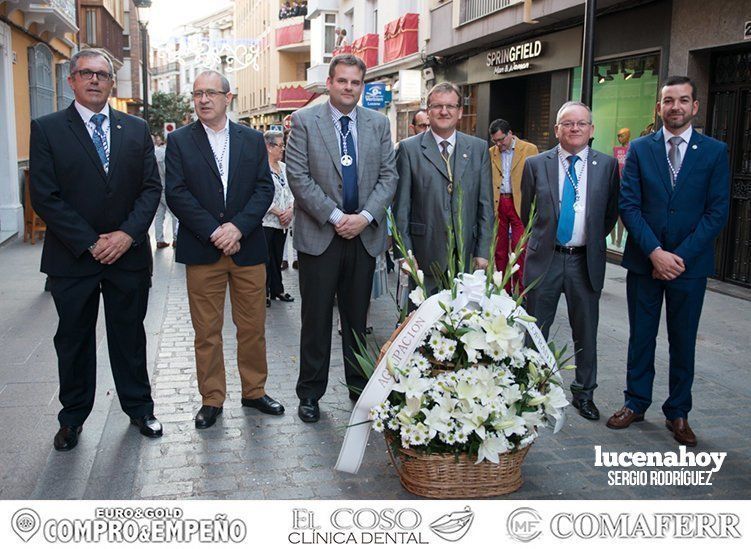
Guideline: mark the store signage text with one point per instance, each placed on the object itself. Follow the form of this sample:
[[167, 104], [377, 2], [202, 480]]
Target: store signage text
[[514, 58]]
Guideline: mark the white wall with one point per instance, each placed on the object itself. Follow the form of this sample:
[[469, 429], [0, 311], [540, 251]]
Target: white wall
[[11, 213]]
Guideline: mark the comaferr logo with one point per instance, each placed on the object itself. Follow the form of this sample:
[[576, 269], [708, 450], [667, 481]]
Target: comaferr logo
[[645, 525]]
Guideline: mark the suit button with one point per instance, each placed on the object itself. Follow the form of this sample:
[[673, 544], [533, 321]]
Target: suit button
[[221, 216], [340, 187], [672, 212]]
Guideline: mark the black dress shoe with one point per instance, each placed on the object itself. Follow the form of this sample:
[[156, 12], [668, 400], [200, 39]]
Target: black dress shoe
[[206, 416], [285, 265], [67, 438], [268, 302], [587, 409], [265, 404], [294, 264], [308, 410], [148, 425], [284, 297]]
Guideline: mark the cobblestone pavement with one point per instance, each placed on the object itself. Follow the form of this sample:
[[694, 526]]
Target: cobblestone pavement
[[248, 455]]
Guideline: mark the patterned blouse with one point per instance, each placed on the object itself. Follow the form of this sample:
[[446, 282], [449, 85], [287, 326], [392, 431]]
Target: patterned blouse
[[283, 198]]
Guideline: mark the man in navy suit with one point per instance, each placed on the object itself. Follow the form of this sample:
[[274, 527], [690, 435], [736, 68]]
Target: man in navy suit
[[219, 186], [675, 191], [94, 181]]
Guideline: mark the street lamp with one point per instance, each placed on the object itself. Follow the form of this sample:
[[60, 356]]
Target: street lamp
[[144, 7]]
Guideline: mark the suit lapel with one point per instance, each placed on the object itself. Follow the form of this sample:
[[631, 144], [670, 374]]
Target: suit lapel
[[202, 142], [693, 150], [116, 140], [75, 122], [461, 156], [517, 156], [551, 168], [236, 144], [363, 126], [328, 136], [594, 175], [430, 150], [661, 159]]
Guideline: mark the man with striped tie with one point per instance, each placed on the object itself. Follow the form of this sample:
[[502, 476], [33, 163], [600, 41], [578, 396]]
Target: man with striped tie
[[575, 189], [94, 181]]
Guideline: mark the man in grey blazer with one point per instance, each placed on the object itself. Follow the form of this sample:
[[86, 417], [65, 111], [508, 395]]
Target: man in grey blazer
[[576, 193], [340, 166], [432, 167]]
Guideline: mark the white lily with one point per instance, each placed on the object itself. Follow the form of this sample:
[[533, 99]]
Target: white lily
[[417, 296], [491, 448]]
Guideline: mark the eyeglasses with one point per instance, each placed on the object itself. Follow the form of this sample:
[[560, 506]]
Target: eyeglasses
[[87, 74], [581, 124], [211, 94], [499, 140], [439, 108], [280, 145], [423, 126]]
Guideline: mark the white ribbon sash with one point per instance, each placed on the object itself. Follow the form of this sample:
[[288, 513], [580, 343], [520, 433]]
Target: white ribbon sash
[[398, 354]]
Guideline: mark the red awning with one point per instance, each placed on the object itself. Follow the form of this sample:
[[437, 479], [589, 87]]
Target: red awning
[[400, 37], [291, 34], [293, 97], [366, 48]]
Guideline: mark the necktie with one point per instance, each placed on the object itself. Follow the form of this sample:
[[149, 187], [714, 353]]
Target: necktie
[[100, 140], [566, 217], [350, 199], [445, 150], [674, 155]]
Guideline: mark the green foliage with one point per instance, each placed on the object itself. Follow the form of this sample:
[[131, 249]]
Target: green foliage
[[167, 107]]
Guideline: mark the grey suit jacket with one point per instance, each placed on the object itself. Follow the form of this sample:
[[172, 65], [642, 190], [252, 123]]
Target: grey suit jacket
[[540, 182], [423, 207], [315, 176]]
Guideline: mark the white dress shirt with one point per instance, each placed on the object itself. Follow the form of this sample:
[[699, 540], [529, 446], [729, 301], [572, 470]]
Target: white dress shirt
[[507, 157], [336, 114], [86, 115], [579, 236], [683, 147], [219, 141]]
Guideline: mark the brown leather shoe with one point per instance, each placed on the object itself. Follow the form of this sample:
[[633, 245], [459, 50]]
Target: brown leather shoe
[[623, 418], [161, 245], [681, 431]]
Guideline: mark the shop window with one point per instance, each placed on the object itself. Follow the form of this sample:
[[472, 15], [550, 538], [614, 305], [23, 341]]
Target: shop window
[[468, 122], [624, 97]]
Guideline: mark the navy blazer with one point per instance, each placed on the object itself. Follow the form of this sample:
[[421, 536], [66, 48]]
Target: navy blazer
[[79, 201], [685, 220], [195, 193]]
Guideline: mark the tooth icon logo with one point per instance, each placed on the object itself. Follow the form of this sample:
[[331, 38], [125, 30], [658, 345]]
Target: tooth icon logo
[[453, 526], [25, 523]]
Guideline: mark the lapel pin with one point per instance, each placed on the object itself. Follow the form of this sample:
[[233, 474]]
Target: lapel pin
[[465, 155], [119, 127], [694, 147], [594, 162]]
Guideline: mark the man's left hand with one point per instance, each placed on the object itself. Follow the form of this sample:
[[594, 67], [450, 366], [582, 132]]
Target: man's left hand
[[226, 237], [481, 263], [351, 225], [115, 244]]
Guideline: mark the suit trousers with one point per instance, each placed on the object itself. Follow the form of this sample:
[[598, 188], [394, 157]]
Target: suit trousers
[[126, 295], [508, 221], [207, 287], [275, 239], [568, 275], [345, 270], [684, 298]]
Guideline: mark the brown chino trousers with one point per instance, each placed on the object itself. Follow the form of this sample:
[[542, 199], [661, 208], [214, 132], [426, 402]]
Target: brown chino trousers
[[207, 287]]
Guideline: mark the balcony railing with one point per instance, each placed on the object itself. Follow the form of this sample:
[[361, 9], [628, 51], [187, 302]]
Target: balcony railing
[[292, 33], [54, 16], [477, 9], [315, 7], [317, 75]]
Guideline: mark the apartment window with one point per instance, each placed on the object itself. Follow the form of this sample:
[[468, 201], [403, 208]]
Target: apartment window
[[91, 26], [329, 34]]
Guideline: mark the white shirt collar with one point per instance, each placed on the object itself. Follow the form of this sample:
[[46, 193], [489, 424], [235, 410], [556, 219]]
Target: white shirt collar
[[686, 135], [438, 139], [209, 130], [86, 114], [337, 114], [582, 154]]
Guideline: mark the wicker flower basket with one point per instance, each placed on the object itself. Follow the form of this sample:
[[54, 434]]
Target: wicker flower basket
[[450, 476]]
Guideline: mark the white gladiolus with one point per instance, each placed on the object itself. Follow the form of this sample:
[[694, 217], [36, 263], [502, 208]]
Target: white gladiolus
[[417, 296]]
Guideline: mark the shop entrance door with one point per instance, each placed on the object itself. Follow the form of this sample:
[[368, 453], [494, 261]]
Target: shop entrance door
[[730, 121]]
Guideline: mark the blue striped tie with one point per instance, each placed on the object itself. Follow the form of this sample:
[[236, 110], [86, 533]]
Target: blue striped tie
[[566, 218], [350, 198], [100, 140]]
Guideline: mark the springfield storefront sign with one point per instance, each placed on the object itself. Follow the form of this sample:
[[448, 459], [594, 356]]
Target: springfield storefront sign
[[514, 58], [551, 52]]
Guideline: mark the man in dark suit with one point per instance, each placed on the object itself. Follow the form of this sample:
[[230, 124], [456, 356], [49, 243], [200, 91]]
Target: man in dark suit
[[674, 202], [432, 166], [219, 186], [95, 183], [576, 192], [340, 166]]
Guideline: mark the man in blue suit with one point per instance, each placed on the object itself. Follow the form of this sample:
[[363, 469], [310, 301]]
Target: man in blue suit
[[674, 199]]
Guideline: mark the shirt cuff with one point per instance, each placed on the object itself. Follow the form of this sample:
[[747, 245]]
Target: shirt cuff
[[366, 215], [336, 216]]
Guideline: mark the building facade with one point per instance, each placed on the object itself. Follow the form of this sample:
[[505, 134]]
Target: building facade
[[37, 40]]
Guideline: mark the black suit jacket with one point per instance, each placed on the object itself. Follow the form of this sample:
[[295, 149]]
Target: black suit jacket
[[195, 193], [79, 201]]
